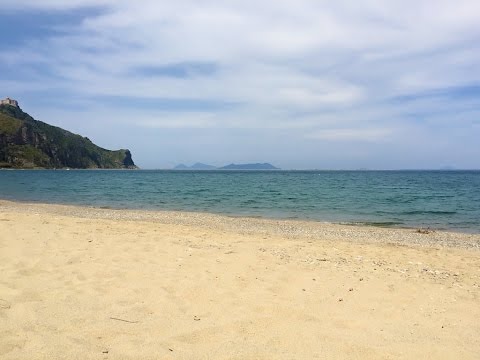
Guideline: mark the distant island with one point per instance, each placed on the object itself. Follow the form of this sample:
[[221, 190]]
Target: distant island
[[26, 143], [257, 166], [200, 166], [196, 166]]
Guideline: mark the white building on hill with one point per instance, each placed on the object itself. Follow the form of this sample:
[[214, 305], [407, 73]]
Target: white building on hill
[[9, 101]]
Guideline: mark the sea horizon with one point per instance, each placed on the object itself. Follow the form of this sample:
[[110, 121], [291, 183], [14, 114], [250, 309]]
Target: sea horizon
[[240, 170]]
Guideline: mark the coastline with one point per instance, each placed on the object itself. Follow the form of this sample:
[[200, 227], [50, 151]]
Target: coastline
[[94, 283], [258, 225]]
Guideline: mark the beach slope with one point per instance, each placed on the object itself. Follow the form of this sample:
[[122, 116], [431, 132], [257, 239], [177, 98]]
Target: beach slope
[[80, 283]]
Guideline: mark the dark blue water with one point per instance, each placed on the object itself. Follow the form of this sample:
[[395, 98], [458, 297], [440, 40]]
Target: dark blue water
[[436, 199]]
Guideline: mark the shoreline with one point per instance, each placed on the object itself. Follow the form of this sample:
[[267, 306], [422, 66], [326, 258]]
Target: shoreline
[[252, 225], [89, 283], [400, 202], [353, 223]]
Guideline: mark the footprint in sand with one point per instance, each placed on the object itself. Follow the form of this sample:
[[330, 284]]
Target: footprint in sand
[[4, 304]]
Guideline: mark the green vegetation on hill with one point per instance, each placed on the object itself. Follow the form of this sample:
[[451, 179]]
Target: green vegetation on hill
[[28, 143]]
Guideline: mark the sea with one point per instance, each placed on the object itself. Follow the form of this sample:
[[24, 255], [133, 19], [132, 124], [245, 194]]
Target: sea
[[443, 200]]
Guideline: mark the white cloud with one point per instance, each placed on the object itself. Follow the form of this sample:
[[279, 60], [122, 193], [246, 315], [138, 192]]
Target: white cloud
[[348, 135], [329, 68], [165, 120]]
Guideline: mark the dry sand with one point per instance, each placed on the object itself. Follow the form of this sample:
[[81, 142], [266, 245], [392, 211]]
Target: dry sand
[[80, 283]]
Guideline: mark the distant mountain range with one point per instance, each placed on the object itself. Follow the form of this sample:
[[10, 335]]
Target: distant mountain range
[[26, 143], [200, 166]]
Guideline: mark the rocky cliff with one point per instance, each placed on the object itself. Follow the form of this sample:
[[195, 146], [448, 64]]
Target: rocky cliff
[[28, 143]]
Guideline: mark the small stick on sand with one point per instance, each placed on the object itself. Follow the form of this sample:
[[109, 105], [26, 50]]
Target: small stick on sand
[[128, 321]]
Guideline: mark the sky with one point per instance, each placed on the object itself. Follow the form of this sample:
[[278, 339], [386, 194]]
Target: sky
[[304, 84]]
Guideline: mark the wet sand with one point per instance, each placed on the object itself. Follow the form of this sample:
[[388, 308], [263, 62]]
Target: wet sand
[[83, 283]]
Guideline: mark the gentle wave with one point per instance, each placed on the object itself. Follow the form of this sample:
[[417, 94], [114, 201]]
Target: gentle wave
[[432, 212], [374, 223]]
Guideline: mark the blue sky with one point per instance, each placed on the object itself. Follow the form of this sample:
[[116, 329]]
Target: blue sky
[[301, 84]]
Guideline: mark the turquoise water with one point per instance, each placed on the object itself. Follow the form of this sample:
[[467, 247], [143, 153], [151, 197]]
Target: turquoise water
[[436, 199]]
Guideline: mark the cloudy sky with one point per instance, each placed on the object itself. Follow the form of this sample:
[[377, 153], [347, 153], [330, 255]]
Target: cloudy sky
[[301, 84]]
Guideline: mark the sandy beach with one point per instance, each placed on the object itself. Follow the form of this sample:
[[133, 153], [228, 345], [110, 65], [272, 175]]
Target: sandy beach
[[85, 283]]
